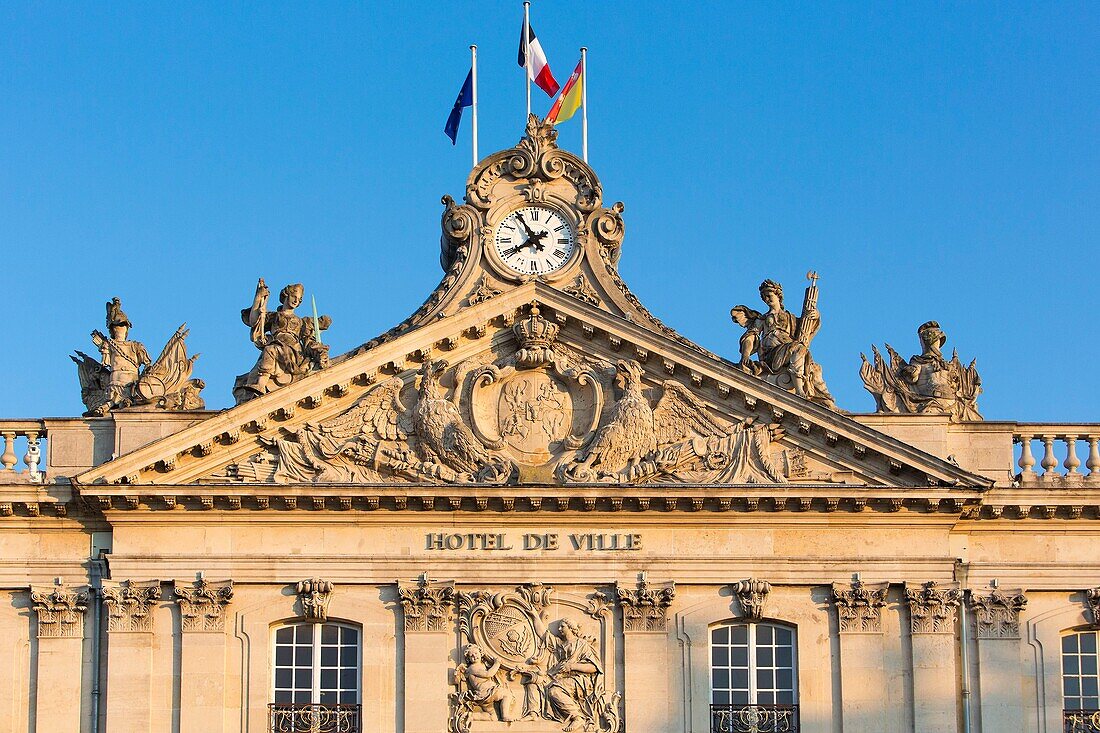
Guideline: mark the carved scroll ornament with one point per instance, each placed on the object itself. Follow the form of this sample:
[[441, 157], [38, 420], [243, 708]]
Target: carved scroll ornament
[[428, 605], [314, 596], [997, 613], [1092, 600], [60, 611], [203, 604], [753, 596], [516, 666], [859, 606], [130, 605], [932, 607], [645, 608]]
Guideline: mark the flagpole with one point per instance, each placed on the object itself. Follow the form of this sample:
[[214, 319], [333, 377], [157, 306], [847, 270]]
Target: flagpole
[[584, 103], [527, 53], [473, 75]]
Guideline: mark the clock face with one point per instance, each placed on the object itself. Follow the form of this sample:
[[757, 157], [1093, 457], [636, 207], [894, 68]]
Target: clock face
[[535, 240]]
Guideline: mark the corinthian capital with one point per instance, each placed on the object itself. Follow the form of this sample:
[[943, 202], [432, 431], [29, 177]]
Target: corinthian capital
[[202, 604], [932, 607], [645, 608], [130, 604], [997, 613], [60, 611], [428, 605], [859, 606]]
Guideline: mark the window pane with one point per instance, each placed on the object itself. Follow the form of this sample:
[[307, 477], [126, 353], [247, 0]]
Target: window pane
[[720, 697], [772, 654], [739, 635], [328, 679], [349, 656], [783, 636], [720, 656], [1089, 686], [349, 636], [328, 697], [740, 697], [303, 656], [330, 656], [765, 698], [784, 679], [284, 635], [740, 679], [765, 680], [330, 634], [1072, 686], [1088, 642], [721, 635], [739, 656], [348, 697], [302, 696], [783, 656], [764, 656], [348, 679], [764, 634], [1069, 643], [1088, 664], [784, 697], [283, 678], [721, 679], [304, 633], [284, 655], [284, 696]]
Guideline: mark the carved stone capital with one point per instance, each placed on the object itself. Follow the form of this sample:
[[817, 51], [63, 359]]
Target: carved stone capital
[[997, 613], [130, 604], [753, 595], [60, 611], [314, 595], [645, 608], [1092, 599], [859, 606], [202, 604], [428, 605], [932, 607]]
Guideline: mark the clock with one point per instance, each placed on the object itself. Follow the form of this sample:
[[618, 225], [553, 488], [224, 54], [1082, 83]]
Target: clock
[[535, 241]]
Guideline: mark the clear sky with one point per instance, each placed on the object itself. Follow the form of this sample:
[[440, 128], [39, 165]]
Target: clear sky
[[930, 160]]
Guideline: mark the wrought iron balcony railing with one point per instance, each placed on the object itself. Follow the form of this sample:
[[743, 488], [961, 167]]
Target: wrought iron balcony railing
[[754, 719], [313, 718], [1081, 721]]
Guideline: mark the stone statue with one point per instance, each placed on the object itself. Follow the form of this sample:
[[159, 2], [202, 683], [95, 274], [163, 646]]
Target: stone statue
[[781, 343], [127, 378], [564, 689], [290, 346], [480, 684], [927, 383]]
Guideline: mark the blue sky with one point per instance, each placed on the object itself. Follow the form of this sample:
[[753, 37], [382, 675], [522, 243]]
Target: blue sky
[[930, 160]]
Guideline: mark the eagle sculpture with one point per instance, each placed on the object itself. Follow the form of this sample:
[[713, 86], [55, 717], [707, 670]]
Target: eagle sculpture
[[634, 431], [443, 437]]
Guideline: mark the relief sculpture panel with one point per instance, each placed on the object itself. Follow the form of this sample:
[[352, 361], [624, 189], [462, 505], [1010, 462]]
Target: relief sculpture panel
[[540, 411], [521, 663]]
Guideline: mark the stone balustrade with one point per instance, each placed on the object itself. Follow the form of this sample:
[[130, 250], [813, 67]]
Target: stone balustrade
[[1057, 450], [21, 449]]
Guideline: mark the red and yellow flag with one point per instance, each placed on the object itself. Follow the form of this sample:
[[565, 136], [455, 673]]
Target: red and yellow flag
[[569, 101]]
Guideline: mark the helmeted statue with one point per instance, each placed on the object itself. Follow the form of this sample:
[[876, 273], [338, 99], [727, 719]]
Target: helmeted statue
[[290, 346], [927, 383], [127, 378], [781, 343]]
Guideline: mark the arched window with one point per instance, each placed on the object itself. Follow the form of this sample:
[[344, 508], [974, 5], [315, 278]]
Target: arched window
[[753, 678], [316, 678], [1080, 680]]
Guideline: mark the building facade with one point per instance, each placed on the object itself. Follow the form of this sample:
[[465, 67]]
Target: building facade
[[534, 507]]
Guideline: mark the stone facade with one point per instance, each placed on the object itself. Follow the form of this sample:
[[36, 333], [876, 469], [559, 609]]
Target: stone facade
[[531, 506]]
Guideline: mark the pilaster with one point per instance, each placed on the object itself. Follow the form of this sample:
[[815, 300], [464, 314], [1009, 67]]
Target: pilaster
[[202, 607], [60, 612], [997, 630], [646, 661], [130, 608], [862, 657], [428, 622], [932, 613]]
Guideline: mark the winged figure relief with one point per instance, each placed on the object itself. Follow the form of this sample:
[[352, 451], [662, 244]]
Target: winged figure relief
[[676, 439], [382, 435]]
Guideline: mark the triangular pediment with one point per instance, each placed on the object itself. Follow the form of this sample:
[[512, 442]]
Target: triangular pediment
[[507, 393]]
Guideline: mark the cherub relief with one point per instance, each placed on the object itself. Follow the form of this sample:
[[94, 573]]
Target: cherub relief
[[481, 686], [290, 346]]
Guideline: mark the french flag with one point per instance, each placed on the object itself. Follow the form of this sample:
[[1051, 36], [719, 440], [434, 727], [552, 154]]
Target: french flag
[[539, 68]]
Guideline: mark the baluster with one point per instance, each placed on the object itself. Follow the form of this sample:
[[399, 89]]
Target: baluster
[[1049, 462], [32, 457], [1027, 460], [8, 459], [1093, 463], [1072, 461]]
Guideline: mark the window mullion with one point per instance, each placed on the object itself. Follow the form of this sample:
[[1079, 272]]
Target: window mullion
[[315, 693], [752, 664]]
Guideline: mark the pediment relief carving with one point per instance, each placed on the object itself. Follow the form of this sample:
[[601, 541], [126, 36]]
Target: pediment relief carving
[[556, 394]]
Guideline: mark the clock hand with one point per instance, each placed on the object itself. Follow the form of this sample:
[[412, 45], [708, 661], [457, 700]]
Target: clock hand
[[530, 233]]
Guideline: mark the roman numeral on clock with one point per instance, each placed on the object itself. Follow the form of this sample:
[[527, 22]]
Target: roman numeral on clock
[[559, 253]]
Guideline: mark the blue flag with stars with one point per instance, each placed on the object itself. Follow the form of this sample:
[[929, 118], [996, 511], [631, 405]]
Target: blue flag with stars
[[465, 99]]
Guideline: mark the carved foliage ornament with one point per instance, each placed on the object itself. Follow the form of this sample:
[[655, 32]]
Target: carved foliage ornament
[[202, 604], [516, 666], [1092, 599], [859, 606], [428, 605], [931, 607], [997, 613], [313, 596], [60, 611], [645, 608], [130, 605], [753, 596]]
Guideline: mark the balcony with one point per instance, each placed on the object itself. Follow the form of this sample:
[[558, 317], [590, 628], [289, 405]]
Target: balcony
[[757, 719], [1081, 721], [313, 718]]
